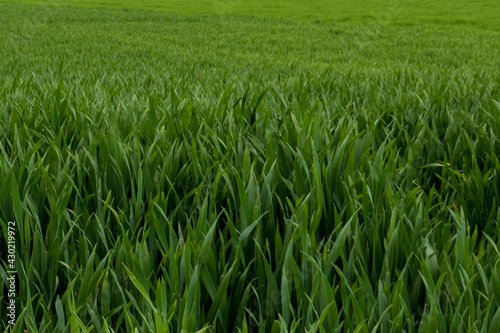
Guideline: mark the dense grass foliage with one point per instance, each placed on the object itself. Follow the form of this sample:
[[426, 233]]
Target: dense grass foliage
[[478, 14], [223, 173]]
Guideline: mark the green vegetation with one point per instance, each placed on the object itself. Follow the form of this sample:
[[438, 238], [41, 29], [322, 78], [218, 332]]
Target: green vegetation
[[254, 166], [453, 14]]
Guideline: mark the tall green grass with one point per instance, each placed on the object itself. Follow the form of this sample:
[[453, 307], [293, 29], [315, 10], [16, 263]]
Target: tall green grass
[[458, 14], [185, 187]]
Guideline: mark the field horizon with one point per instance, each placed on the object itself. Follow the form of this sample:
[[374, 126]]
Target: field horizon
[[451, 14]]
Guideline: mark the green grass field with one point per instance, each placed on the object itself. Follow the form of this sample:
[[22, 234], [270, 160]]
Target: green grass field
[[251, 166]]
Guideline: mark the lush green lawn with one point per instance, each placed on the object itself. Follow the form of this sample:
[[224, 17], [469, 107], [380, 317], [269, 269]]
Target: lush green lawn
[[278, 166]]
